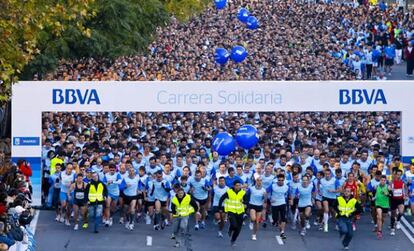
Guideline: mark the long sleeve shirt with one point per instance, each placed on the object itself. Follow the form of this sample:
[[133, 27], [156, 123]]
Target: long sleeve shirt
[[226, 196], [193, 203]]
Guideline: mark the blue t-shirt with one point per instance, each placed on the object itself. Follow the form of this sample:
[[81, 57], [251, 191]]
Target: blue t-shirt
[[257, 195], [200, 187], [305, 195], [278, 194]]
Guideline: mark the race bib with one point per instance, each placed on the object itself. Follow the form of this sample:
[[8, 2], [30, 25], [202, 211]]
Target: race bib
[[80, 195], [398, 193]]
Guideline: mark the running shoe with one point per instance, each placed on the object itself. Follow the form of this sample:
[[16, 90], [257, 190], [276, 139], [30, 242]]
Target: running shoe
[[283, 236], [308, 226], [147, 220], [303, 232], [127, 225], [251, 225], [62, 219], [203, 225], [166, 223], [67, 223], [177, 245], [57, 218], [131, 226], [264, 225], [76, 227], [398, 225], [85, 225], [379, 235], [325, 228], [254, 237], [346, 248], [316, 223], [353, 226], [196, 227], [220, 234], [121, 220], [392, 233], [106, 222], [110, 222], [172, 237], [157, 227]]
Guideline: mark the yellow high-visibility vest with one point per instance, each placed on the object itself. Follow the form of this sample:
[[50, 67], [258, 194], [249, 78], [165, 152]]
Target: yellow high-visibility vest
[[95, 194], [184, 207], [53, 163], [234, 204], [346, 208]]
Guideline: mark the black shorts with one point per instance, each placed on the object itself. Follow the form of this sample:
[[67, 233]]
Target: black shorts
[[302, 209], [295, 204], [384, 210], [129, 199], [163, 203], [201, 202], [79, 203], [389, 61], [217, 209], [121, 194], [395, 203], [150, 203], [256, 208], [140, 196], [279, 213], [331, 202]]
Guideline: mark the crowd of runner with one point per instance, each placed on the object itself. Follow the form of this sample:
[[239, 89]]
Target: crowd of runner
[[297, 40], [302, 162]]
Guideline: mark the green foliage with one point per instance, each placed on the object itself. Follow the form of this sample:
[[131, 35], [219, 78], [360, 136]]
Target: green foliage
[[185, 9]]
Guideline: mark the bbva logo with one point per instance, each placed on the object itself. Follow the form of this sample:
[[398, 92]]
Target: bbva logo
[[74, 96], [362, 96]]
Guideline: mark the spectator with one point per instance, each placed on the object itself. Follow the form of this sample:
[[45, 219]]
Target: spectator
[[409, 57]]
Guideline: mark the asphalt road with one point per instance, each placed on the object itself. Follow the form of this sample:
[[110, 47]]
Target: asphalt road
[[54, 236]]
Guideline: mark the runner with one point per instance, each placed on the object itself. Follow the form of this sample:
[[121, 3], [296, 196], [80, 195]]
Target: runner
[[235, 208], [132, 185], [382, 204], [328, 187], [278, 193], [67, 177], [304, 195], [182, 206], [218, 212], [257, 195], [79, 201], [372, 188], [200, 188], [318, 200], [398, 194], [293, 203], [346, 206], [161, 190], [112, 180]]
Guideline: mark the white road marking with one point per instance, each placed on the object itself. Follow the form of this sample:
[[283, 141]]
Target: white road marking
[[407, 224], [149, 240], [33, 224], [279, 240], [407, 233]]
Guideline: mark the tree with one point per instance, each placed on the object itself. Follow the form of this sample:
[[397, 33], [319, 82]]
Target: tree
[[21, 26], [185, 9]]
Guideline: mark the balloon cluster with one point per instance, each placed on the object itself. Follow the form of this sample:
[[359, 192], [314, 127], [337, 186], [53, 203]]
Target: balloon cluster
[[246, 137], [238, 53]]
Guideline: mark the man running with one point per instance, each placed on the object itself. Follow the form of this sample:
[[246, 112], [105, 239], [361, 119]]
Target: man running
[[382, 204], [235, 208], [67, 177], [218, 192], [161, 191], [199, 190], [346, 206], [328, 187], [112, 180], [132, 184], [79, 202], [278, 193], [182, 206], [398, 193]]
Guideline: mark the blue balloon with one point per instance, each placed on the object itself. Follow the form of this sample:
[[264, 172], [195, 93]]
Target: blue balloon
[[222, 56], [243, 15], [220, 4], [238, 53], [252, 23], [247, 136], [223, 143]]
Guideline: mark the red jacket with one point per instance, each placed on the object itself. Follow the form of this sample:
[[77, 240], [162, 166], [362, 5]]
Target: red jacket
[[408, 55], [26, 170]]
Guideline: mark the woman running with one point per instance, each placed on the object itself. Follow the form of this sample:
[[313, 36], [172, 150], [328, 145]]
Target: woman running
[[257, 195]]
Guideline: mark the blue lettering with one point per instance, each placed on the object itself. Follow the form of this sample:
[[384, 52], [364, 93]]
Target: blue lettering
[[159, 99], [57, 97], [360, 96], [344, 97]]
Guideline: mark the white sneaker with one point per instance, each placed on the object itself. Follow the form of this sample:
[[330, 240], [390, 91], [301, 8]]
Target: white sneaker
[[336, 228], [398, 225], [315, 223], [166, 222], [131, 226], [325, 228], [270, 218], [303, 232], [392, 233], [127, 225], [76, 227], [67, 223], [147, 220], [57, 218], [220, 234], [251, 225], [121, 220], [308, 226], [62, 219], [196, 227], [254, 237], [111, 221]]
